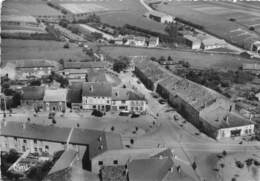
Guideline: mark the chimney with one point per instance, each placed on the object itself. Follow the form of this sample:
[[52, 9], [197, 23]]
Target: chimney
[[171, 170], [24, 125], [91, 88], [227, 119]]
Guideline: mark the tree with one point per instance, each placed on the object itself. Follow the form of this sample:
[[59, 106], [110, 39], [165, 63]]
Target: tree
[[66, 45], [170, 58], [16, 99]]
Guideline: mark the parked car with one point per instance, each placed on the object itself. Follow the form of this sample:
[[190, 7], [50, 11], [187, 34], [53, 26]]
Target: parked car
[[124, 113], [162, 101], [135, 115]]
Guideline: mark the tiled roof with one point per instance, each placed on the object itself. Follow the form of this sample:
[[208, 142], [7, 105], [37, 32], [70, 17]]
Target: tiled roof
[[152, 169], [35, 63], [55, 95], [98, 141], [219, 118], [152, 70], [95, 89], [196, 95], [126, 94], [74, 93], [82, 65], [33, 93], [65, 161]]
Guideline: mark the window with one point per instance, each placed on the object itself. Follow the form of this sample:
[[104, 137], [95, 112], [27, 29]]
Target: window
[[25, 141], [115, 162], [123, 102], [46, 147], [35, 149], [40, 149], [35, 141], [108, 102], [15, 139], [94, 107], [100, 163]]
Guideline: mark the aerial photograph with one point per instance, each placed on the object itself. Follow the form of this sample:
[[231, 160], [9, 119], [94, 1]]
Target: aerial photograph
[[130, 90]]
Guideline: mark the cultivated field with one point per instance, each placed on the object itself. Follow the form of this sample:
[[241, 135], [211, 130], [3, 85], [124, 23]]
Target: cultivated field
[[215, 17], [196, 59], [34, 49], [28, 7]]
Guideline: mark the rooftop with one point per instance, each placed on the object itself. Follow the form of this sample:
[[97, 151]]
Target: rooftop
[[126, 94], [35, 63], [152, 70], [74, 93], [65, 161], [95, 89], [55, 95], [196, 95], [33, 93], [83, 65], [152, 169], [98, 141]]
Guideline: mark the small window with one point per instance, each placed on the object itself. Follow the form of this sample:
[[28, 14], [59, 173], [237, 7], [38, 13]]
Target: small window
[[115, 162], [35, 149], [23, 148], [25, 141], [15, 139], [40, 149], [46, 147], [100, 163], [35, 141]]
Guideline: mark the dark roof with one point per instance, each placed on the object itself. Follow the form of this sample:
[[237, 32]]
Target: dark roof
[[95, 89], [126, 94], [33, 93], [35, 63], [152, 169], [82, 65], [93, 138], [97, 76], [74, 93], [65, 161], [72, 173]]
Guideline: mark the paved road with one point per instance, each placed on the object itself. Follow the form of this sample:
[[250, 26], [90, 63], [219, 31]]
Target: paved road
[[187, 146]]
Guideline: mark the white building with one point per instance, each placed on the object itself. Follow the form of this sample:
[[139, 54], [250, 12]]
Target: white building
[[160, 17], [96, 96], [153, 42], [127, 100]]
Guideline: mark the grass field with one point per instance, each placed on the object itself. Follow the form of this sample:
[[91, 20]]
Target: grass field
[[28, 7], [196, 59], [215, 17], [33, 49]]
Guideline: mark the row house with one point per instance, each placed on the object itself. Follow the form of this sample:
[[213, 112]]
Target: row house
[[96, 95], [127, 100], [35, 138], [209, 111]]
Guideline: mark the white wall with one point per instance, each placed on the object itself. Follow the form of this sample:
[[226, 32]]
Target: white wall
[[88, 102], [226, 132]]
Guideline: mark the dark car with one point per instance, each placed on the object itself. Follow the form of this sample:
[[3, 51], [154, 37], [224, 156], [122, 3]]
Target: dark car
[[162, 101]]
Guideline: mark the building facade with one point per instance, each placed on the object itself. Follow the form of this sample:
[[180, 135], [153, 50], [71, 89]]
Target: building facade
[[55, 100], [127, 100], [96, 96]]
